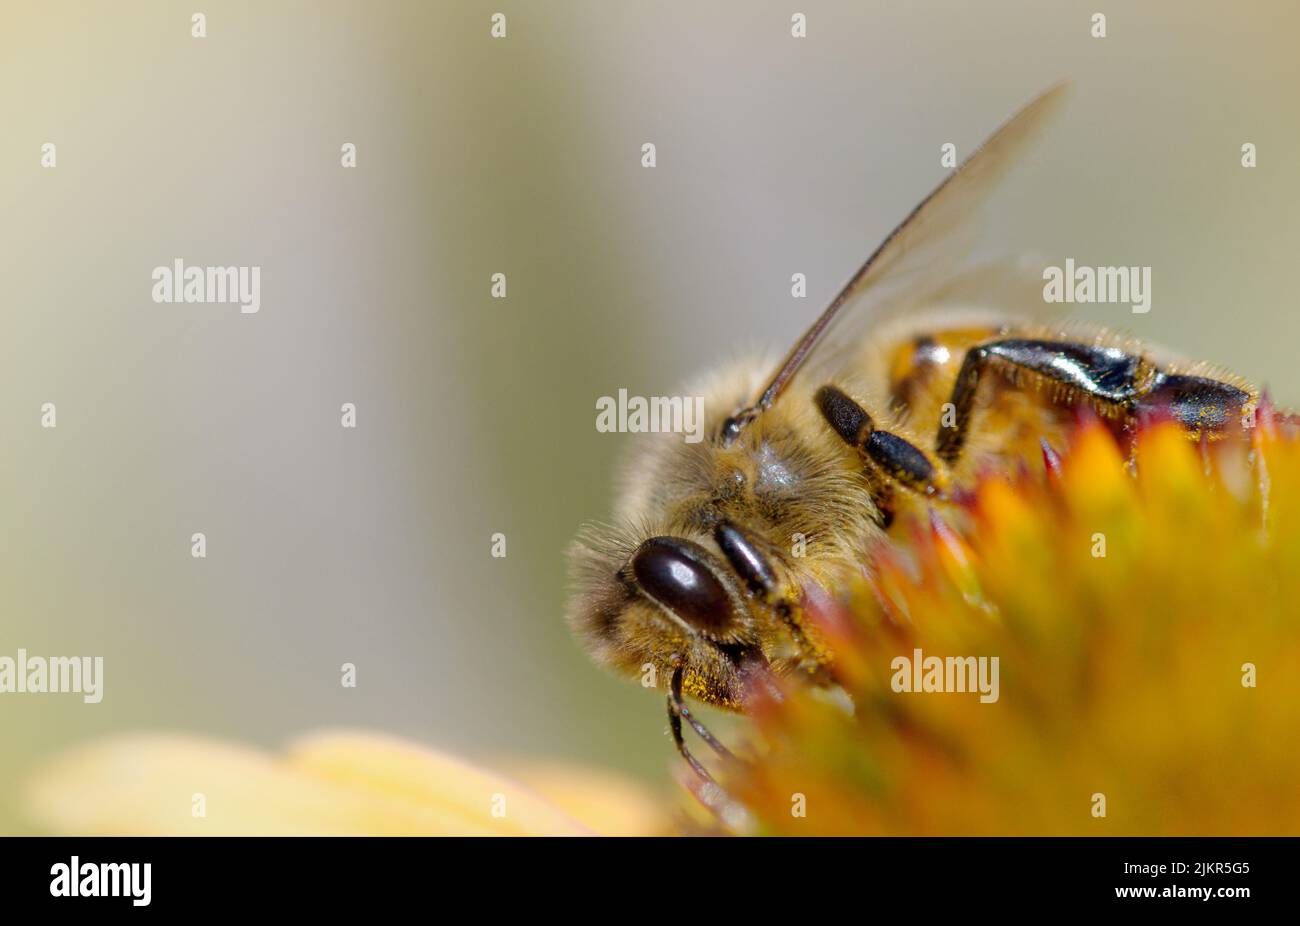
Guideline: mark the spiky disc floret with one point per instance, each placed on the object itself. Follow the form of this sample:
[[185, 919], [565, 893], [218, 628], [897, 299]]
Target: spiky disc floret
[[1146, 625]]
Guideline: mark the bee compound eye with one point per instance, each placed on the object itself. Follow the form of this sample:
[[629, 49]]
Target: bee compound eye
[[674, 572]]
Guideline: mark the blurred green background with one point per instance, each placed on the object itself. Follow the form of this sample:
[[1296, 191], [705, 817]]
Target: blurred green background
[[519, 155]]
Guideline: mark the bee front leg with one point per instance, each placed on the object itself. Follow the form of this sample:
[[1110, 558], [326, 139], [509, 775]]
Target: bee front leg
[[898, 459]]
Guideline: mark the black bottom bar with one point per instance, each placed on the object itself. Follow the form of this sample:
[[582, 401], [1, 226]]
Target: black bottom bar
[[332, 875]]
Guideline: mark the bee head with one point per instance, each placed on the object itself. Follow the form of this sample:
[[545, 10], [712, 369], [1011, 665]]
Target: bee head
[[643, 606], [701, 568]]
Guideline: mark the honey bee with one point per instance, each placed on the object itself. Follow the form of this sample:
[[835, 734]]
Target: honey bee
[[917, 378]]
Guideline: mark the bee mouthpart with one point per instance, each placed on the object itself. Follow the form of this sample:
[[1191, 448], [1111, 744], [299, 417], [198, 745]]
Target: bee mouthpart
[[677, 712]]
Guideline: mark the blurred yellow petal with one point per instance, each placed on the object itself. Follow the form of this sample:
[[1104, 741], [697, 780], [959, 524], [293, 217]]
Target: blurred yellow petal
[[460, 797], [605, 802], [327, 784]]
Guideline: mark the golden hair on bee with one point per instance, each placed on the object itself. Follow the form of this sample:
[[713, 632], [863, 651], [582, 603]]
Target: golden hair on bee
[[785, 501]]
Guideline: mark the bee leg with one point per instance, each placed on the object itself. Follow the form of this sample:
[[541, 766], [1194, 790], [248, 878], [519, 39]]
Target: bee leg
[[1116, 383], [1202, 405], [1108, 378], [677, 712], [899, 459]]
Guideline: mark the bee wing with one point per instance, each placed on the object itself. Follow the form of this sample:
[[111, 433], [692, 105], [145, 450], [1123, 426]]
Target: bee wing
[[917, 260]]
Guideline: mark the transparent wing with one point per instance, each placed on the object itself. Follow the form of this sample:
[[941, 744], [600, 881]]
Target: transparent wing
[[918, 262]]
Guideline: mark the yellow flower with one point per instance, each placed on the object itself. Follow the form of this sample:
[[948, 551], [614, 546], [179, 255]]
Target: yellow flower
[[1147, 635], [334, 783]]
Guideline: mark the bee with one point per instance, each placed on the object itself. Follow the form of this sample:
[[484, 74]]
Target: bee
[[917, 378]]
